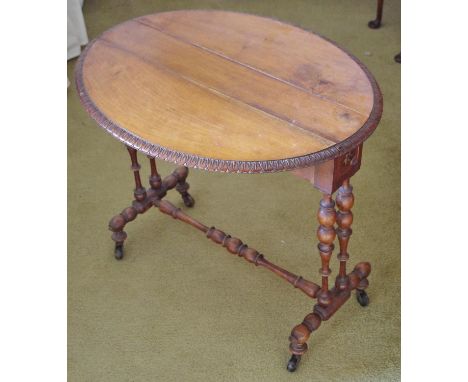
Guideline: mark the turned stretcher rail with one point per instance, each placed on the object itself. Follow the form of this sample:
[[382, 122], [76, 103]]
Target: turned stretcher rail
[[236, 246]]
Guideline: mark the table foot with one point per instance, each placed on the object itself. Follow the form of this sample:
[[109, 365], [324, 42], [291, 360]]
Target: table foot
[[301, 333], [293, 363], [362, 297], [182, 186], [374, 24], [116, 225], [118, 251], [189, 201]]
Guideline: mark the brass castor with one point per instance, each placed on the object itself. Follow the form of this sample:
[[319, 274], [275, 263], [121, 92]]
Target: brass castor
[[293, 362], [118, 252], [362, 297]]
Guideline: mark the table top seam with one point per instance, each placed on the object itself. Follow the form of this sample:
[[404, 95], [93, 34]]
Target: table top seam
[[310, 131], [257, 70]]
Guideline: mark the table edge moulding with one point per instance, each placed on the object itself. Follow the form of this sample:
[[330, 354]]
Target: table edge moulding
[[240, 166]]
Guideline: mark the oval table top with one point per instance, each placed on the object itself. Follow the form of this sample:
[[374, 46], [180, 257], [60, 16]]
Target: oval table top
[[226, 91]]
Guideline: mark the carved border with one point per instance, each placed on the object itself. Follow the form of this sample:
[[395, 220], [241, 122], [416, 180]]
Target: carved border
[[211, 164]]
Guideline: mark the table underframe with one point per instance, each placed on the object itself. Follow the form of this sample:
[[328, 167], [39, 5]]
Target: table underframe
[[328, 177]]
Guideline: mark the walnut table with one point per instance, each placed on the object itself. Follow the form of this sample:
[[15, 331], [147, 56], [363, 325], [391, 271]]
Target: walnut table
[[232, 92]]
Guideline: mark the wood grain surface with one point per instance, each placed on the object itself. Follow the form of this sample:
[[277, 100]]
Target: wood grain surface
[[227, 86]]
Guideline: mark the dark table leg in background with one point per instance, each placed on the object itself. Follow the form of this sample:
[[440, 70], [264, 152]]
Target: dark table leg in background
[[375, 24]]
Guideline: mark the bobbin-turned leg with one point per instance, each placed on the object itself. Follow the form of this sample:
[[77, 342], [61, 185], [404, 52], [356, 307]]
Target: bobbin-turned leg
[[329, 177], [326, 234], [145, 199], [344, 219], [182, 186], [139, 192], [117, 223]]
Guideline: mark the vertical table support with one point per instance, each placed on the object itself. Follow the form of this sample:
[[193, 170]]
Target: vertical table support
[[344, 219], [326, 234], [140, 192], [118, 222], [155, 178], [329, 177]]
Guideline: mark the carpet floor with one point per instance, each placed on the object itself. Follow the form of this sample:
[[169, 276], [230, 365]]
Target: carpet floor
[[177, 307]]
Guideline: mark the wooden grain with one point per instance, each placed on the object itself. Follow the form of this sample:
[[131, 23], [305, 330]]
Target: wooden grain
[[166, 109], [279, 50], [227, 86]]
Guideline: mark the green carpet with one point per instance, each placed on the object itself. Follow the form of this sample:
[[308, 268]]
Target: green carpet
[[178, 307]]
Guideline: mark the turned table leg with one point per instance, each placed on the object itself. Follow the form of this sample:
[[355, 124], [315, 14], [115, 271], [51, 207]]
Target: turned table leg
[[331, 177], [344, 219], [116, 225], [139, 192], [326, 235], [118, 222], [145, 199]]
